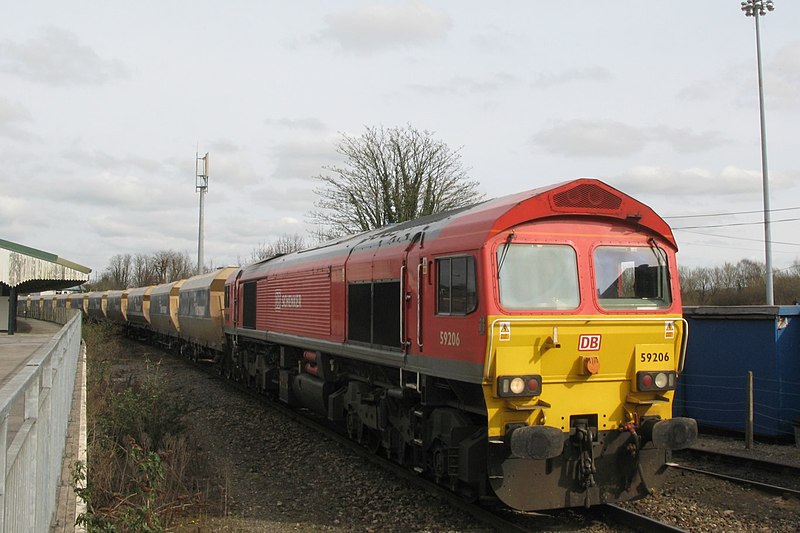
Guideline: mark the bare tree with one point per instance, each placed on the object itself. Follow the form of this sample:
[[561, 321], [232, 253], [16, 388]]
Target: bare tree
[[390, 175], [143, 271], [161, 261], [118, 272], [180, 266], [285, 244]]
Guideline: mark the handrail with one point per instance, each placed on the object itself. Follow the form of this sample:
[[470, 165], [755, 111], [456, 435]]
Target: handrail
[[419, 305], [31, 463], [402, 307]]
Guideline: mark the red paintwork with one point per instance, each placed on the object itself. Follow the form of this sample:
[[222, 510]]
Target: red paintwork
[[319, 277]]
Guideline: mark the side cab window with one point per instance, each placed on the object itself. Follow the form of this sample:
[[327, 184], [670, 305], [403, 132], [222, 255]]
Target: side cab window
[[456, 292]]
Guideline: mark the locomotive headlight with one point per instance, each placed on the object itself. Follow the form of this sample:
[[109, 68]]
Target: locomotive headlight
[[661, 380], [519, 386]]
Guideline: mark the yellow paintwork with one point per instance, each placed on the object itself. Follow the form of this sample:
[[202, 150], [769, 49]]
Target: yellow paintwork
[[548, 346]]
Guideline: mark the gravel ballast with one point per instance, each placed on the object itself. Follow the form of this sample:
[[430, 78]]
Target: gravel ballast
[[274, 474]]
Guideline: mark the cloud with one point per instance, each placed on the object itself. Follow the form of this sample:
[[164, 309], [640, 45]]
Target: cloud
[[690, 182], [121, 193], [568, 76], [610, 138], [492, 39], [11, 115], [466, 85], [737, 83], [229, 164], [13, 112], [685, 140], [14, 210], [303, 158], [584, 138], [56, 57], [370, 28], [102, 160], [783, 77], [305, 123]]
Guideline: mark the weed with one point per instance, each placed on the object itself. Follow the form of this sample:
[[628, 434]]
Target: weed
[[137, 454]]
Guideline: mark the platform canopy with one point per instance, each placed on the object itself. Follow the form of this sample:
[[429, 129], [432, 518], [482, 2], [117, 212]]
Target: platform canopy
[[30, 270]]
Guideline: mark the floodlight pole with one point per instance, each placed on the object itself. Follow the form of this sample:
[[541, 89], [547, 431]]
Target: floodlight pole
[[201, 185], [756, 9]]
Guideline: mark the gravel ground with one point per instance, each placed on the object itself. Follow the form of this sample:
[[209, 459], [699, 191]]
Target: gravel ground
[[275, 475], [700, 503]]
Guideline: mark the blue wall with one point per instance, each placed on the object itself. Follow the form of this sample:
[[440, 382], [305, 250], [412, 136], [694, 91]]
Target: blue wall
[[724, 344]]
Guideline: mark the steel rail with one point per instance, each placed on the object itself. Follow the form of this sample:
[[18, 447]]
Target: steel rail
[[766, 487], [740, 460], [637, 521]]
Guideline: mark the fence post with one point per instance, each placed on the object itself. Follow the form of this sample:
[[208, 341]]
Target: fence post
[[748, 436]]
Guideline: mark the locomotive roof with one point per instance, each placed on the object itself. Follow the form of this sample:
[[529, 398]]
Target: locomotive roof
[[584, 197], [581, 197]]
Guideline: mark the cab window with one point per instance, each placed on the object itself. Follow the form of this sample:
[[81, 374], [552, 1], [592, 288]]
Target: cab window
[[632, 277], [537, 276], [456, 289]]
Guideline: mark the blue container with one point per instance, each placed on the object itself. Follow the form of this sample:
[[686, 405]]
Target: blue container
[[724, 344]]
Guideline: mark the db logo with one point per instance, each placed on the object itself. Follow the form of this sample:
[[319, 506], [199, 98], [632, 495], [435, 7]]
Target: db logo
[[589, 343]]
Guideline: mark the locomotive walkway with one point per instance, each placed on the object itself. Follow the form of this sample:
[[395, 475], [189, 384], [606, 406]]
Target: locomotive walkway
[[42, 425]]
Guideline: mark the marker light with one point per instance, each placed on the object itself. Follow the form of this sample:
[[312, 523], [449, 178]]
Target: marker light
[[519, 386], [655, 381]]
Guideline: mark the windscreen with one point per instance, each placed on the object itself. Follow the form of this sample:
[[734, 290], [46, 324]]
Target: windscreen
[[538, 276], [632, 277]]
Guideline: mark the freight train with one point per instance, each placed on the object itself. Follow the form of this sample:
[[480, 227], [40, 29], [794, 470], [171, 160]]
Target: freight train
[[524, 349]]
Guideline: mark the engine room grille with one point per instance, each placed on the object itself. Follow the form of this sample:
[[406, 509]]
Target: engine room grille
[[587, 196]]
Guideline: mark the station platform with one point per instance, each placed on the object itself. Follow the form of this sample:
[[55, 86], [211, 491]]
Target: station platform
[[15, 350]]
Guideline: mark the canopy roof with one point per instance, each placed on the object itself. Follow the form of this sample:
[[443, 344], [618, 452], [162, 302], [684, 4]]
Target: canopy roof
[[32, 270]]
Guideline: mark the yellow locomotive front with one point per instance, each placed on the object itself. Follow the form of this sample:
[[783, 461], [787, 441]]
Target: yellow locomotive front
[[584, 347]]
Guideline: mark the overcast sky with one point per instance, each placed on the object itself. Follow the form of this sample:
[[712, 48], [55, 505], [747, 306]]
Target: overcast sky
[[103, 106]]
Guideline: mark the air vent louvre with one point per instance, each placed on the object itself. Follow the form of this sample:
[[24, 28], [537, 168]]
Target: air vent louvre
[[587, 196]]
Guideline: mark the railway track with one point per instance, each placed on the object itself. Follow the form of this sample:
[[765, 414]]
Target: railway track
[[635, 521], [492, 516], [767, 476]]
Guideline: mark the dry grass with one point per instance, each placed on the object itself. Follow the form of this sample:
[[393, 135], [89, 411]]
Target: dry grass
[[140, 464]]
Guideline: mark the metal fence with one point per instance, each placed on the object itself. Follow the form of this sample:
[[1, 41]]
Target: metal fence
[[34, 412]]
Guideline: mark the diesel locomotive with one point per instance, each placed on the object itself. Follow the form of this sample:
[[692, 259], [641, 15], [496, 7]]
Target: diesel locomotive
[[525, 348]]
